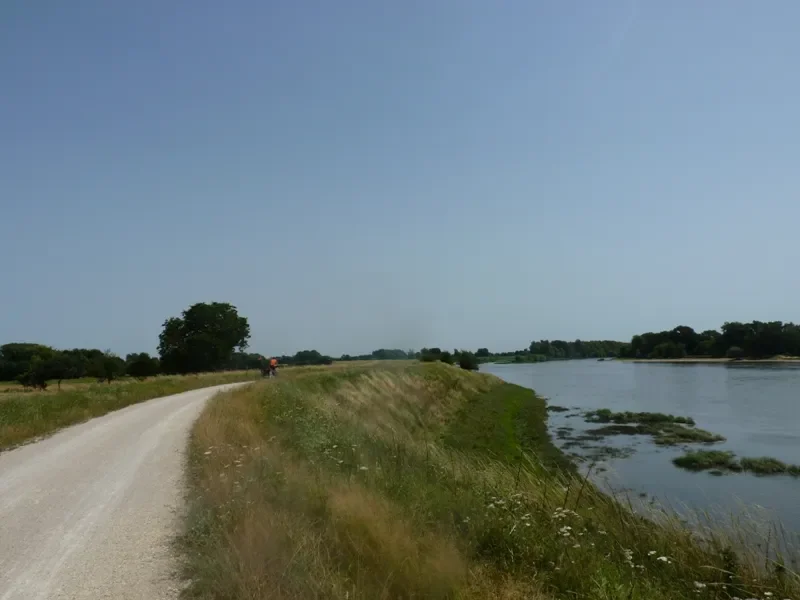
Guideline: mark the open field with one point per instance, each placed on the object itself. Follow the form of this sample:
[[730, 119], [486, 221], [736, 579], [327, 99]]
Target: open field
[[26, 415], [425, 481]]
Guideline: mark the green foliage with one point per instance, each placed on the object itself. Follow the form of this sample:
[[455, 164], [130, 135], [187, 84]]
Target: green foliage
[[306, 358], [467, 361], [106, 367], [446, 357], [666, 430], [141, 365], [482, 353], [702, 460], [756, 339], [203, 338], [381, 354], [16, 358], [37, 374], [430, 354], [605, 415], [559, 349], [668, 349], [705, 460]]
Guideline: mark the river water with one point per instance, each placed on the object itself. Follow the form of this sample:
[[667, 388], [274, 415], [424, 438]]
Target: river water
[[757, 408]]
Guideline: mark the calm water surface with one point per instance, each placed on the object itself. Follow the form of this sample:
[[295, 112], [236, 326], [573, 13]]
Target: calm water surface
[[756, 408]]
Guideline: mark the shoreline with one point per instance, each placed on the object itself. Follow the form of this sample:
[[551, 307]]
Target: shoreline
[[713, 361]]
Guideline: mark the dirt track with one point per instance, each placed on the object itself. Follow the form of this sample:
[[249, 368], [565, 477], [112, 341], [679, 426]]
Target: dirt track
[[91, 512]]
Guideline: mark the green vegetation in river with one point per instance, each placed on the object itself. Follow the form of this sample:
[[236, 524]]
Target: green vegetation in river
[[706, 460]]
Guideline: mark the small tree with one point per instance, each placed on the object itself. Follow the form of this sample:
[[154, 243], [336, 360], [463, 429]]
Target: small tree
[[37, 374], [446, 358], [107, 367]]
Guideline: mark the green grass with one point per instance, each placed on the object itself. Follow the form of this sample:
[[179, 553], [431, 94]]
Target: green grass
[[424, 482], [28, 415], [504, 423], [726, 461]]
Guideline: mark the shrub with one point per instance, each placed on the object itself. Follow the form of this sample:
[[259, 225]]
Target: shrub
[[468, 361]]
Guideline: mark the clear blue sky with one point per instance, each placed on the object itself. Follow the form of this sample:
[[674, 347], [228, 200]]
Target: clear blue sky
[[355, 175]]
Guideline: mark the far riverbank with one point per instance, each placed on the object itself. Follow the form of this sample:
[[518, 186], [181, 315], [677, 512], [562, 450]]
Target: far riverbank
[[699, 360]]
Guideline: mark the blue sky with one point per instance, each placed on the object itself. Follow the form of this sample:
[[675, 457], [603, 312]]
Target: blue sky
[[355, 175]]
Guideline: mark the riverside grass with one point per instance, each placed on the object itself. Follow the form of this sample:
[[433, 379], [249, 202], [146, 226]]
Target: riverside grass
[[424, 481], [25, 416]]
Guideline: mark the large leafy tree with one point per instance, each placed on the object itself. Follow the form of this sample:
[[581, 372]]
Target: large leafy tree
[[203, 338]]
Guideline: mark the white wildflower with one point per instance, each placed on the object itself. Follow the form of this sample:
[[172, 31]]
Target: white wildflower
[[651, 553], [699, 585], [663, 559], [576, 546], [362, 468], [768, 594], [335, 446]]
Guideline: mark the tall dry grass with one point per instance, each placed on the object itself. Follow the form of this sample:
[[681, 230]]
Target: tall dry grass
[[425, 482]]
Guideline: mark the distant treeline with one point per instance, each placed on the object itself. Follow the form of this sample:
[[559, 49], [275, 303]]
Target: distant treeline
[[33, 365], [756, 339], [545, 350], [383, 354]]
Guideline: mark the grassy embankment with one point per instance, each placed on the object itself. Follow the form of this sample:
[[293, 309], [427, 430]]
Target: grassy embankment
[[26, 415], [423, 481]]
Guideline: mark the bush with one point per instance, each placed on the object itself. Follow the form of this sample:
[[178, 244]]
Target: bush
[[468, 361]]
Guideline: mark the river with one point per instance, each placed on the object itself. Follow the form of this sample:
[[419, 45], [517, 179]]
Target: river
[[757, 408]]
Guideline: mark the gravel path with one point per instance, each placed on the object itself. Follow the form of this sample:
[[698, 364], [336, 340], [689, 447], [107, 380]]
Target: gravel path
[[91, 512]]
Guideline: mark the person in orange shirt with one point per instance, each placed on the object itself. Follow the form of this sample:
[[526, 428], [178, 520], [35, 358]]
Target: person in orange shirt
[[273, 367]]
